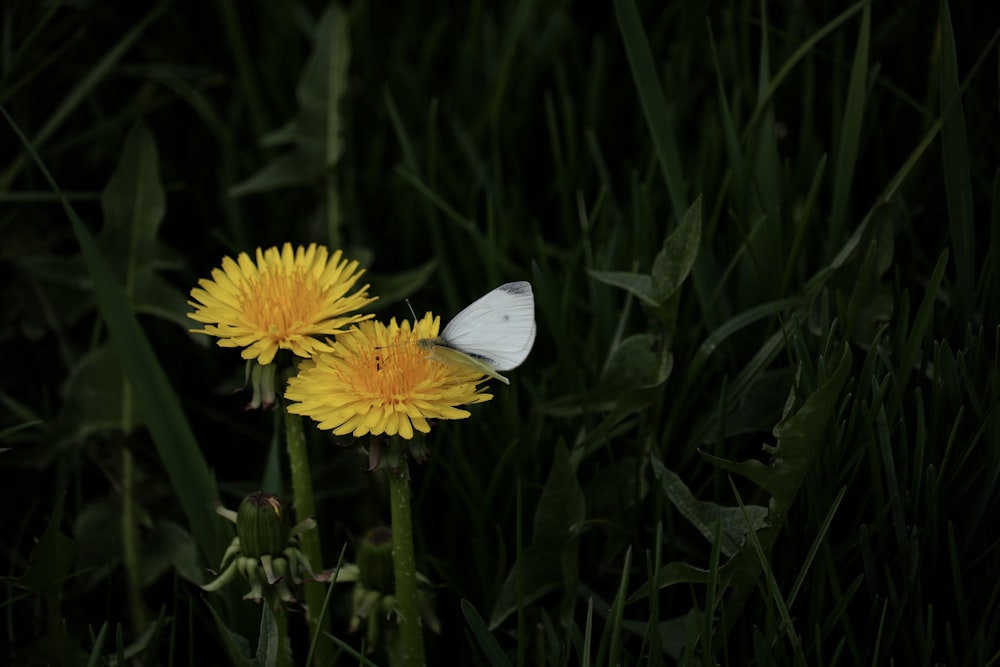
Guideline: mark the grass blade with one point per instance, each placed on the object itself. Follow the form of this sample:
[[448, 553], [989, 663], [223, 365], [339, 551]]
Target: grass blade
[[487, 642], [654, 105], [846, 155], [189, 473], [956, 172], [82, 90]]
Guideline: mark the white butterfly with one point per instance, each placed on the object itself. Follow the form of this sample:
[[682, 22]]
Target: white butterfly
[[493, 333]]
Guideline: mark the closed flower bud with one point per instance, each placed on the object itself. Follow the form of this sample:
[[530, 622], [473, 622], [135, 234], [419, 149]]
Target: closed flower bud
[[375, 561], [262, 525]]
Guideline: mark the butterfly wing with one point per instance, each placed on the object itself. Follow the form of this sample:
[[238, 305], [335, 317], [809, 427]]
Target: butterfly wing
[[498, 328]]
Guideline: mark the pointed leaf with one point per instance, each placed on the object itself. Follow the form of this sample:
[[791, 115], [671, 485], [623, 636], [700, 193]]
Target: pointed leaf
[[293, 168], [638, 284], [315, 133], [705, 515], [487, 642], [133, 202], [675, 260], [268, 643], [133, 205]]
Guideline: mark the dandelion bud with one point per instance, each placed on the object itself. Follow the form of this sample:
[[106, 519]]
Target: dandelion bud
[[262, 525], [375, 561]]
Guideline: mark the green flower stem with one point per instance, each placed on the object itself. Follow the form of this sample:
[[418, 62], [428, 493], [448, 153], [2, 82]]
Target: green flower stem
[[405, 568], [305, 507], [277, 607]]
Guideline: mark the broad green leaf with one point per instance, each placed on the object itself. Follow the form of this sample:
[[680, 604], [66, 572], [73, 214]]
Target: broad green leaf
[[133, 205], [670, 268], [168, 546], [133, 202], [94, 399], [705, 515], [675, 260], [638, 284], [799, 435], [315, 133], [636, 363], [550, 561], [660, 122]]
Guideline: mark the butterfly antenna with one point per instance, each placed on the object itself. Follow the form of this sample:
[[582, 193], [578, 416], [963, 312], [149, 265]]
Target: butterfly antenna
[[412, 312]]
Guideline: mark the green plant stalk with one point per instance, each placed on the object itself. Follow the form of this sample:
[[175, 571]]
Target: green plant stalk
[[404, 565], [277, 607], [305, 507]]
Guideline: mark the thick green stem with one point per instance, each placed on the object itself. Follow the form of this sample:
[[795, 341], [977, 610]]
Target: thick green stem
[[411, 635], [305, 507]]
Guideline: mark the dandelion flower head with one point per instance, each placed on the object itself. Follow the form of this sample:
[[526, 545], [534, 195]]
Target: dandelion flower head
[[286, 299], [376, 379]]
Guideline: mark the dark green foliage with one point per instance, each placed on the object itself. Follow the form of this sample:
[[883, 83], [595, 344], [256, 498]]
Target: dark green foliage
[[759, 424]]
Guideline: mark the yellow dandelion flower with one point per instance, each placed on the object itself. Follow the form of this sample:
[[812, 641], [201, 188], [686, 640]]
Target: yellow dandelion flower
[[376, 379], [284, 300]]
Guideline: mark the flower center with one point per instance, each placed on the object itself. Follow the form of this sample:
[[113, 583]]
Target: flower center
[[280, 302], [390, 370]]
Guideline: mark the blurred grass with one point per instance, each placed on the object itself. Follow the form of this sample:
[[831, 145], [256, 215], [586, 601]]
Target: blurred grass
[[845, 161]]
